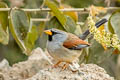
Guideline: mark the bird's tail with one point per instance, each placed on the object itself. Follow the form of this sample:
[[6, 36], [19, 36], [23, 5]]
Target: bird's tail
[[98, 24]]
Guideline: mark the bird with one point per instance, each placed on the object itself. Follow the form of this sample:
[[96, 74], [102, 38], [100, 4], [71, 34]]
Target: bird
[[64, 46]]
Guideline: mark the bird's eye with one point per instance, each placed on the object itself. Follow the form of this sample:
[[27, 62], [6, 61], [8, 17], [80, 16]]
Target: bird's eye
[[53, 32]]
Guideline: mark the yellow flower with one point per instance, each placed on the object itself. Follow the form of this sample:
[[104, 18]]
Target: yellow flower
[[103, 37]]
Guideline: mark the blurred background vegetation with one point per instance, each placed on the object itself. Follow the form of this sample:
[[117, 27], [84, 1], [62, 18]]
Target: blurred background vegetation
[[98, 54]]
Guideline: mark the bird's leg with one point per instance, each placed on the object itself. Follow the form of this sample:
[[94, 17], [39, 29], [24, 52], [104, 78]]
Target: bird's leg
[[55, 65], [65, 65]]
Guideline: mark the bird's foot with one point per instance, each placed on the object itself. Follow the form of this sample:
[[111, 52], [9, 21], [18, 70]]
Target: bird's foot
[[56, 65], [65, 66]]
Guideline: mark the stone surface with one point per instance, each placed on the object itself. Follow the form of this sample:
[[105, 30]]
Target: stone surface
[[39, 67]]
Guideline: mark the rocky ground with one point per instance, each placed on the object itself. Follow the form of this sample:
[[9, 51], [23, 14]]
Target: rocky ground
[[39, 67]]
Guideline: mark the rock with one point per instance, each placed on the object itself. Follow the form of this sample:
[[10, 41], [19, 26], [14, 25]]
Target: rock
[[39, 67], [85, 72], [4, 65]]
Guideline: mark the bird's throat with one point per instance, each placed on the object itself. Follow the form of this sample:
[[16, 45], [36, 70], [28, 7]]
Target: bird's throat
[[50, 37]]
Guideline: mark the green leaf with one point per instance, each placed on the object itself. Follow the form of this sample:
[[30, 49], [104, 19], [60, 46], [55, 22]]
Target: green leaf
[[35, 3], [31, 38], [3, 16], [83, 56], [97, 54], [54, 23], [41, 42], [70, 24], [110, 28], [19, 25], [60, 16], [114, 23], [41, 28], [78, 30], [66, 21], [4, 36], [4, 33]]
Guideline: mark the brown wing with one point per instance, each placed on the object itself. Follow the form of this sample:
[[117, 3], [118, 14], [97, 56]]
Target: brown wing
[[73, 41]]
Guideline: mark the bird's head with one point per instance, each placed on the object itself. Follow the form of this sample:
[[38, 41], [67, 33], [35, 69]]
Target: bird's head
[[56, 35]]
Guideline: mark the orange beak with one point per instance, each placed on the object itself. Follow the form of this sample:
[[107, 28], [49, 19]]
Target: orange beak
[[48, 32]]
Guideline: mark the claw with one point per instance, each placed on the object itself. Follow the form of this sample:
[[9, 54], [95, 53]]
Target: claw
[[65, 66], [57, 64]]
